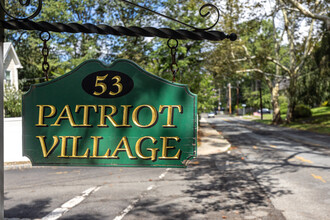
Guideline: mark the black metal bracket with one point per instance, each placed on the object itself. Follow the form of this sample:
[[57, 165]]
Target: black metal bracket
[[117, 30], [196, 34]]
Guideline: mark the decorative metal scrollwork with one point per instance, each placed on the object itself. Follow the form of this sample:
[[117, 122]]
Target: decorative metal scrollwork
[[180, 22], [25, 3], [207, 13]]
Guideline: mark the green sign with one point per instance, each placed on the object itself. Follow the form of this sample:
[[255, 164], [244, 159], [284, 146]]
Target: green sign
[[117, 115]]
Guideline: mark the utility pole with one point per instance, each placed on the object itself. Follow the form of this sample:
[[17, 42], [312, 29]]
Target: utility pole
[[2, 38], [260, 93], [219, 104], [229, 98], [237, 97]]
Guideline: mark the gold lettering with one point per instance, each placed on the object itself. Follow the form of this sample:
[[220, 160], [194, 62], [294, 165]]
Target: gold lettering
[[100, 84], [153, 150], [118, 85], [170, 109], [42, 116], [75, 148], [109, 116], [127, 149], [66, 110], [153, 118], [96, 148], [166, 147], [86, 113], [63, 148], [43, 145], [125, 116]]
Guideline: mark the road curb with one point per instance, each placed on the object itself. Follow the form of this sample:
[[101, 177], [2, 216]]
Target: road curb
[[17, 165], [212, 142]]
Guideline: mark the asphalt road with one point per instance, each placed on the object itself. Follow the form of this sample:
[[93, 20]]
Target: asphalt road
[[270, 173], [292, 167]]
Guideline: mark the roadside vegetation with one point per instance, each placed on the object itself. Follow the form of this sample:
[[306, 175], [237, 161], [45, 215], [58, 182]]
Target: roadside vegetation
[[318, 122]]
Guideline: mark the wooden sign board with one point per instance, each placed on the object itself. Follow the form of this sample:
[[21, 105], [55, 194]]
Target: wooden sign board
[[116, 115]]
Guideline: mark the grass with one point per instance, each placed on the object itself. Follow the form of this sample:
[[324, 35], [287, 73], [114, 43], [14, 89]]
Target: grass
[[319, 121]]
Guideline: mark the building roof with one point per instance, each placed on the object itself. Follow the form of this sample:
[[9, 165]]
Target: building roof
[[7, 47]]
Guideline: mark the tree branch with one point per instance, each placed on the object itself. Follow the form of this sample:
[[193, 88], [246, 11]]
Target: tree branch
[[259, 71], [310, 14], [279, 64], [243, 59], [308, 49], [290, 37]]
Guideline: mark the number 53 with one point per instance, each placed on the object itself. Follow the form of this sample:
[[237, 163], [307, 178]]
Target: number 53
[[99, 83]]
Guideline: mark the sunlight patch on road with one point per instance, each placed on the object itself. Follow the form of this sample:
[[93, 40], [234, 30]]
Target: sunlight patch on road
[[272, 146], [59, 173], [255, 147], [318, 178]]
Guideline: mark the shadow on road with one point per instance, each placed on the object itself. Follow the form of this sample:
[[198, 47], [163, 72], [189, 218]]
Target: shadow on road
[[34, 209], [215, 187]]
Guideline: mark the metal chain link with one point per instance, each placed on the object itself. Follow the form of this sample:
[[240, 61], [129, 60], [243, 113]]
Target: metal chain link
[[45, 36], [174, 65]]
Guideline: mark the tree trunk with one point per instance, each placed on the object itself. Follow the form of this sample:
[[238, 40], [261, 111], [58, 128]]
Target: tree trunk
[[292, 100], [276, 105], [275, 89]]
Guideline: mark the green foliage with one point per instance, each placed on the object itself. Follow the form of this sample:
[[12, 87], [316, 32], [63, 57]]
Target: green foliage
[[314, 82], [302, 111], [206, 94], [320, 111], [325, 103], [318, 122], [252, 97], [12, 102], [283, 104]]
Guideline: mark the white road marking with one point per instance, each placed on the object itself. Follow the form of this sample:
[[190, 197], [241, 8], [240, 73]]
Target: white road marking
[[150, 187], [127, 210], [164, 174], [135, 201], [59, 212]]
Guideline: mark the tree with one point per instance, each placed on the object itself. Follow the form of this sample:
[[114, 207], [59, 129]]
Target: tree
[[299, 51], [314, 83], [263, 42], [246, 57]]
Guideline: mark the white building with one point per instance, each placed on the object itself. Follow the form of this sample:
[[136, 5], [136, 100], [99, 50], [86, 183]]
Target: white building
[[11, 65]]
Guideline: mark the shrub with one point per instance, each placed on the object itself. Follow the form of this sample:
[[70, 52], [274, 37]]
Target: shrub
[[302, 111], [284, 108], [12, 102]]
